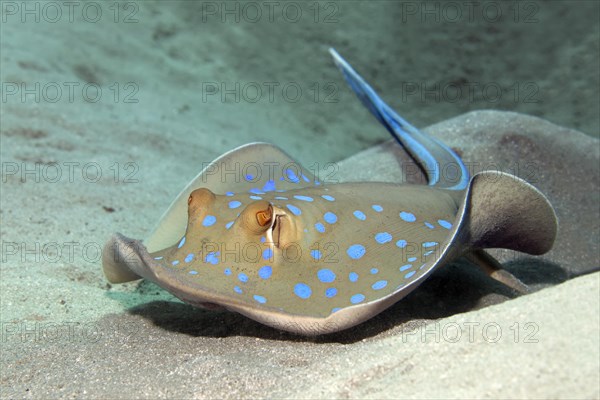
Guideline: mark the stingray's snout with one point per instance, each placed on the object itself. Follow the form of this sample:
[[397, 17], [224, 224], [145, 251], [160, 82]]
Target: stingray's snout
[[118, 255]]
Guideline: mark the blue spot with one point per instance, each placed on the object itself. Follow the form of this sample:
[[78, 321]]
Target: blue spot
[[256, 191], [237, 289], [265, 272], [234, 204], [302, 290], [353, 276], [227, 271], [320, 227], [305, 178], [357, 298], [267, 253], [303, 198], [192, 272], [256, 197], [292, 176], [383, 237], [379, 285], [408, 217], [330, 217], [229, 194], [356, 251], [209, 220], [181, 243], [427, 224], [428, 253], [280, 198], [158, 258], [316, 254], [249, 177], [269, 186], [228, 225], [359, 215], [175, 262], [401, 243], [410, 274], [377, 207], [189, 258], [444, 224], [430, 244], [317, 183], [405, 267], [328, 197], [412, 259], [243, 277], [421, 267], [374, 271], [326, 275], [335, 309], [295, 210], [260, 299], [263, 239], [330, 292], [212, 258]]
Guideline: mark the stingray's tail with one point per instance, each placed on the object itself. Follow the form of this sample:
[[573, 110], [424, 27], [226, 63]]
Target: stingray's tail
[[433, 156]]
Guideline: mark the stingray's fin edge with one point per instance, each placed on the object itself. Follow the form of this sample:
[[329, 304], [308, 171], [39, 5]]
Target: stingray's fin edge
[[504, 211], [119, 256]]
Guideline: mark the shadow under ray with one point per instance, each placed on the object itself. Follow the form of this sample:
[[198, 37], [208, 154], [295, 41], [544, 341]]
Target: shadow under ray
[[457, 288]]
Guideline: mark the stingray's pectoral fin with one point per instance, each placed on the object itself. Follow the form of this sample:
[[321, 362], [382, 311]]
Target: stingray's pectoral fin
[[503, 211], [120, 257]]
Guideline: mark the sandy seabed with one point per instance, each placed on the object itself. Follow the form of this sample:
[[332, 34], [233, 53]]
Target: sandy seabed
[[106, 116]]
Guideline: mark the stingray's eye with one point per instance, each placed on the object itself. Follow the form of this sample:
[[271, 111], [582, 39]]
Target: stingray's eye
[[264, 217], [258, 216], [200, 199]]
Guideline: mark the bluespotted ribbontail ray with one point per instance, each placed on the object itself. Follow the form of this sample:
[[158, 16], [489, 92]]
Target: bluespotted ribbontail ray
[[305, 256]]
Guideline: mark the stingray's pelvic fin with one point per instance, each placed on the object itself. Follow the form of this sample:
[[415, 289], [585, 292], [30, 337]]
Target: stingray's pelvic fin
[[493, 268]]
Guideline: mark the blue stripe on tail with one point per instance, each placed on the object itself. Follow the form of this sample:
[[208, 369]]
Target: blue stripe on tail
[[404, 133]]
